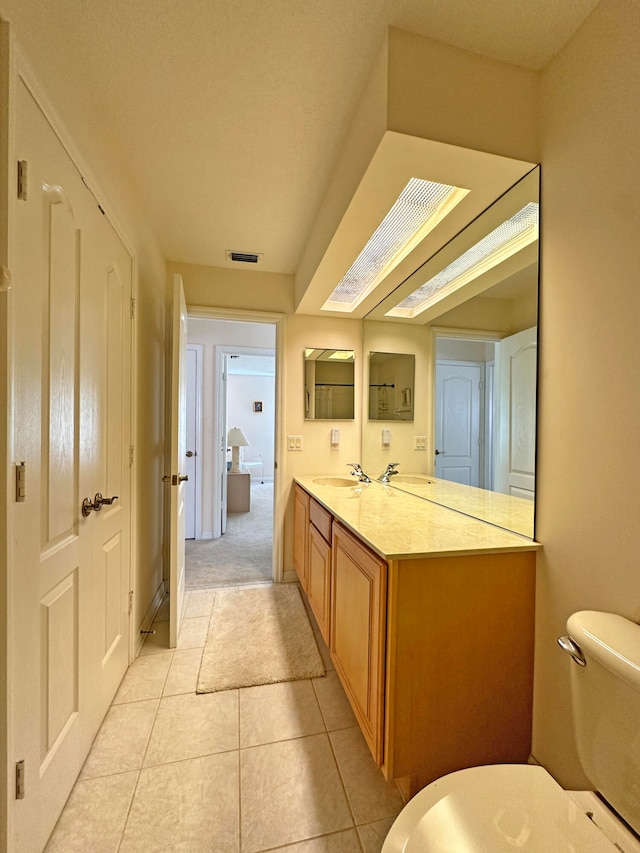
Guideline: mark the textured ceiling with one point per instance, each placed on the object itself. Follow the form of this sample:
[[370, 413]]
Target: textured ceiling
[[225, 117]]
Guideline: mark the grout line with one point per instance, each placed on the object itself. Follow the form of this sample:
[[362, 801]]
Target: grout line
[[126, 817]]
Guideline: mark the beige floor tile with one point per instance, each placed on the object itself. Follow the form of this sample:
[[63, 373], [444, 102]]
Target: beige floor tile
[[121, 742], [338, 842], [193, 633], [290, 791], [334, 704], [183, 672], [371, 797], [190, 725], [157, 642], [280, 711], [372, 835], [188, 805], [94, 816], [144, 679], [200, 603]]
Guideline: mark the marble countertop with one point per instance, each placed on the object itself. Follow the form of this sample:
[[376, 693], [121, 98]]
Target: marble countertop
[[511, 513], [398, 525]]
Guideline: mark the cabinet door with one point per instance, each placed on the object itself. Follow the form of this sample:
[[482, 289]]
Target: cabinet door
[[300, 534], [319, 579], [357, 631]]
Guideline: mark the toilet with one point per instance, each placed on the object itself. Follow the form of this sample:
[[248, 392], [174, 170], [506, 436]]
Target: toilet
[[514, 807]]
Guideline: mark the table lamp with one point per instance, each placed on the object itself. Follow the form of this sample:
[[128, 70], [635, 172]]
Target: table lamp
[[236, 439]]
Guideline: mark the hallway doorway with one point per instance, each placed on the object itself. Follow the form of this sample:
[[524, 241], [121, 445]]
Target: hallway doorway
[[230, 539]]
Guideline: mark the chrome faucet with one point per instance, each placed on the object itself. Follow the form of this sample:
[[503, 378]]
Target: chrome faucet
[[358, 472], [391, 470]]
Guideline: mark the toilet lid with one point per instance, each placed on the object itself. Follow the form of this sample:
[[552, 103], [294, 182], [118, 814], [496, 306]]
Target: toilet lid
[[503, 807]]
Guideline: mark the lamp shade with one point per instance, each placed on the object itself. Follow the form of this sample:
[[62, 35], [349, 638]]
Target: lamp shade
[[236, 438]]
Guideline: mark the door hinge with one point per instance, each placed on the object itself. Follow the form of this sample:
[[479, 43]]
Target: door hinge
[[130, 600], [22, 180], [20, 785], [131, 454], [21, 482], [480, 385], [133, 308]]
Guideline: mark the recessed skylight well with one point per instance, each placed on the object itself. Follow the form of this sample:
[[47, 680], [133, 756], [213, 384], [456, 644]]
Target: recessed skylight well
[[419, 208], [510, 237]]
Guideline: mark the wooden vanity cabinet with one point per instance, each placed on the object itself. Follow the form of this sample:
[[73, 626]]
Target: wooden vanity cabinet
[[357, 631], [302, 500], [435, 653], [312, 555], [319, 565]]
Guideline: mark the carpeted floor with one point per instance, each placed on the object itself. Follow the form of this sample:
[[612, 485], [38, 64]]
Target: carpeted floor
[[243, 554]]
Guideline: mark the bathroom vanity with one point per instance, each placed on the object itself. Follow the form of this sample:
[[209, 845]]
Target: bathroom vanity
[[429, 618]]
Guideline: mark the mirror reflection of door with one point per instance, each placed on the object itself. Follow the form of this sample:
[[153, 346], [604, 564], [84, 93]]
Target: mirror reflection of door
[[485, 412], [460, 429]]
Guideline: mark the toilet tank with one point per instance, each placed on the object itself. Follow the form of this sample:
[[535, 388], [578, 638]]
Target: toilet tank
[[606, 707]]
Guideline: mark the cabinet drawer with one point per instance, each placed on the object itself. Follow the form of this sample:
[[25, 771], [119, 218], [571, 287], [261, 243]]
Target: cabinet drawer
[[322, 519]]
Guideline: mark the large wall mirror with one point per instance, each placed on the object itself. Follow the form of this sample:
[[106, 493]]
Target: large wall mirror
[[469, 315], [328, 384]]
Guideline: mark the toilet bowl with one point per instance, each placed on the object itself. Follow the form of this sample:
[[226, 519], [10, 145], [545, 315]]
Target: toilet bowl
[[506, 807]]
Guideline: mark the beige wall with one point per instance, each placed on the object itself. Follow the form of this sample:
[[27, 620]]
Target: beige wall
[[588, 497], [229, 288], [440, 92]]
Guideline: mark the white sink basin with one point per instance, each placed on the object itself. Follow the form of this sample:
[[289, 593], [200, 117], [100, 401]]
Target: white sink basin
[[334, 481]]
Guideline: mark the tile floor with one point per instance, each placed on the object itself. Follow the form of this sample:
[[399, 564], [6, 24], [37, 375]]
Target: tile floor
[[281, 767]]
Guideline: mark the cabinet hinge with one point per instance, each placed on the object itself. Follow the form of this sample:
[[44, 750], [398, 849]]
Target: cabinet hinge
[[133, 308], [20, 784], [22, 180]]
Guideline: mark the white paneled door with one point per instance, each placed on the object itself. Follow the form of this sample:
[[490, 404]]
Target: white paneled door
[[177, 479], [516, 471], [458, 422], [70, 577]]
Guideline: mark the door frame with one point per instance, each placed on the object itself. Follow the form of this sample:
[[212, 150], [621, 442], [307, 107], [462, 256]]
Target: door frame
[[279, 500], [222, 352]]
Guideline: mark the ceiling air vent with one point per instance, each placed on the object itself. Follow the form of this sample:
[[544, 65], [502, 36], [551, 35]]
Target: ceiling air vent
[[244, 257]]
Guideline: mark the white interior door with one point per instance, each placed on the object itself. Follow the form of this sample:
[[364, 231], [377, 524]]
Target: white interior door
[[69, 629], [177, 478], [516, 457], [458, 420]]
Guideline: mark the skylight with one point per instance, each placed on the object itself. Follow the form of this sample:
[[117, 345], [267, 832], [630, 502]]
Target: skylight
[[419, 208]]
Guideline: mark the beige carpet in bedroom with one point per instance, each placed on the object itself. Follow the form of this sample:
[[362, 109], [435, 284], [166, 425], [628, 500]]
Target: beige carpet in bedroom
[[243, 554], [258, 635]]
